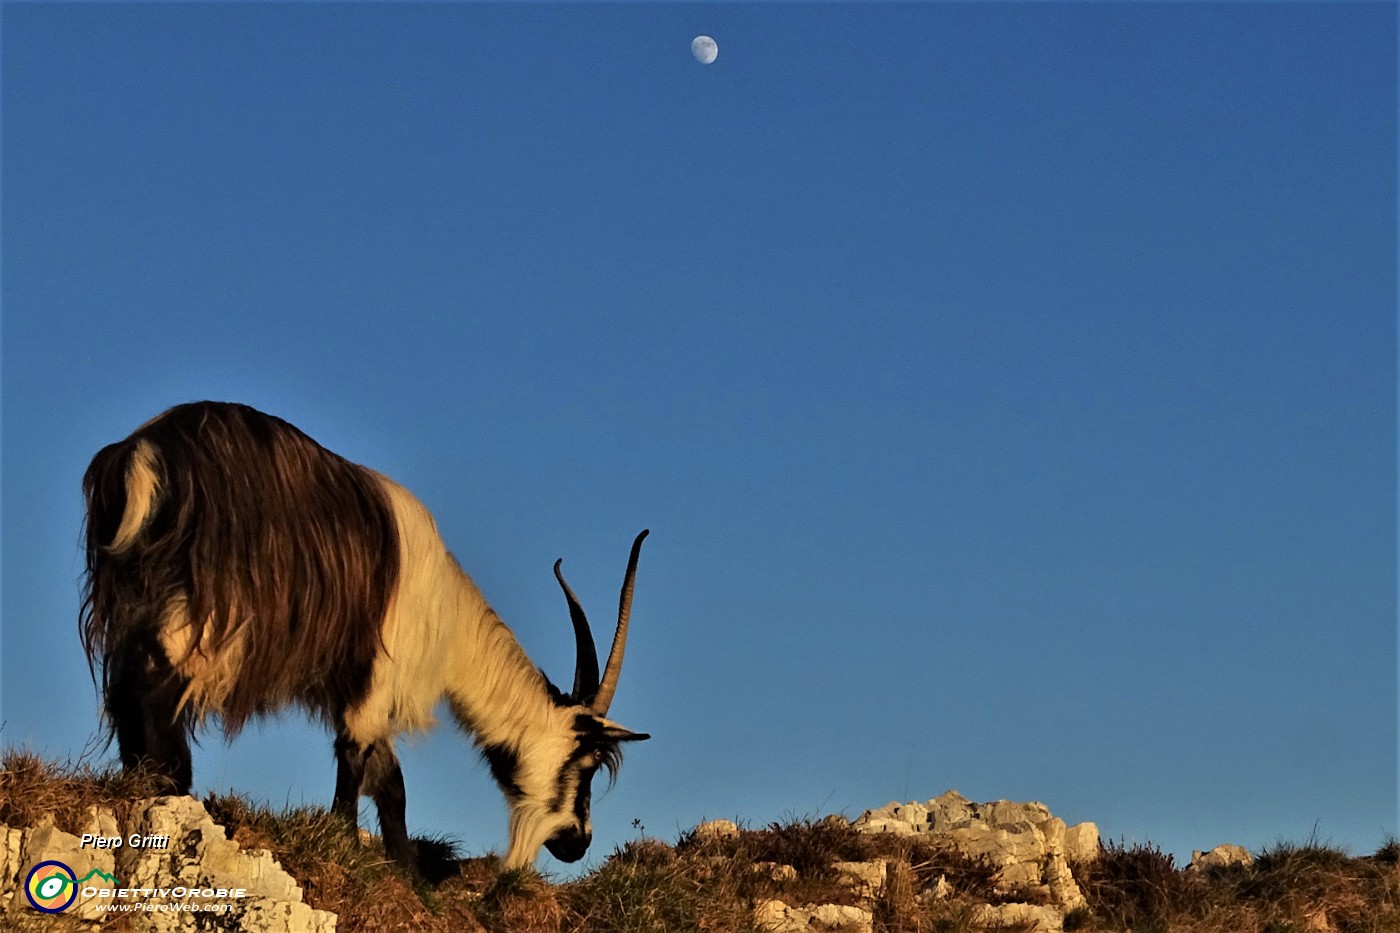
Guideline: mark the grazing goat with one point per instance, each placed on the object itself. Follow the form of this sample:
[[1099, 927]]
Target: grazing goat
[[235, 567]]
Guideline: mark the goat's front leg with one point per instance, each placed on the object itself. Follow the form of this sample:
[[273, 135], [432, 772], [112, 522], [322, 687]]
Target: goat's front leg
[[384, 783]]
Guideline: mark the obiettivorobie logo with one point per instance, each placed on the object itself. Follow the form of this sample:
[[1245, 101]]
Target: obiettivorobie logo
[[52, 886]]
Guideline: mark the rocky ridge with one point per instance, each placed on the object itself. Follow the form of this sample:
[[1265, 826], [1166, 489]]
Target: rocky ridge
[[181, 855], [1031, 853], [1031, 850]]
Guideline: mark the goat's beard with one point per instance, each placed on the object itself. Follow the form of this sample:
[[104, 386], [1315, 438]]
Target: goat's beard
[[529, 828]]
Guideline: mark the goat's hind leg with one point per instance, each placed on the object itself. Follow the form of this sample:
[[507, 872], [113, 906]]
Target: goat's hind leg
[[350, 758], [143, 704]]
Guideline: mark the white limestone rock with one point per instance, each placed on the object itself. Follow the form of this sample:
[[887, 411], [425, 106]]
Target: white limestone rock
[[915, 814], [948, 810], [1082, 842], [1220, 857], [938, 890], [885, 825], [840, 918], [1016, 851], [866, 879], [716, 830], [1054, 867], [1031, 849], [11, 841], [200, 855], [771, 870], [45, 843], [1040, 919], [775, 916], [1006, 812]]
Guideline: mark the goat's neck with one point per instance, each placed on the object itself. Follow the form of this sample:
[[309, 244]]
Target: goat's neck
[[496, 691]]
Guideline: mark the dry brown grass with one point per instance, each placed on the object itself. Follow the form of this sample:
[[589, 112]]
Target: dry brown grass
[[32, 787], [1309, 888], [712, 885]]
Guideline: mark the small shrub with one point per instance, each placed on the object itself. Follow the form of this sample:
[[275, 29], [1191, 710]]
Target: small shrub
[[811, 847], [520, 901], [1081, 918], [32, 787], [897, 909], [642, 888], [1137, 887], [1312, 885]]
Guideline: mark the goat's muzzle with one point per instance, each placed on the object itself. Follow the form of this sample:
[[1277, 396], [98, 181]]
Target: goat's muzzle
[[569, 844]]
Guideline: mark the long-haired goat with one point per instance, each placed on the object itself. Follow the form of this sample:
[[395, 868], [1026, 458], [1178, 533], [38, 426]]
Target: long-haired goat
[[235, 567]]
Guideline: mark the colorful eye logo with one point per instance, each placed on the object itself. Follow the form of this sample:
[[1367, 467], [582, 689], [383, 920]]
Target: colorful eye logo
[[51, 887]]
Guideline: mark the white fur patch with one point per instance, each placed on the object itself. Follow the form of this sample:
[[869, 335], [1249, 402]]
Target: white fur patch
[[142, 491], [211, 673], [443, 641]]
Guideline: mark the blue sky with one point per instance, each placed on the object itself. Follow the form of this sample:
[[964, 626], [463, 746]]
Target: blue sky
[[1010, 389]]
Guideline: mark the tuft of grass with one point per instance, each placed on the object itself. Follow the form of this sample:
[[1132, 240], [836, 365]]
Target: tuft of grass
[[520, 901], [338, 872], [1137, 887], [1081, 918], [642, 888], [812, 847], [32, 787], [1316, 886], [897, 909], [298, 837]]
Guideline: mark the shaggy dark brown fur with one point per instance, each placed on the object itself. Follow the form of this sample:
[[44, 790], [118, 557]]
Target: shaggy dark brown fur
[[257, 528]]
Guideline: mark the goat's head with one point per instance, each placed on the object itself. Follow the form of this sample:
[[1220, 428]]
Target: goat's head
[[549, 787]]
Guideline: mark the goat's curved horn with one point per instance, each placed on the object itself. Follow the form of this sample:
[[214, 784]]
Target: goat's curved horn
[[586, 665], [608, 687]]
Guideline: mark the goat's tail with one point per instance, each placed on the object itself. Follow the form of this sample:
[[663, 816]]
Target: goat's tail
[[122, 493], [121, 488]]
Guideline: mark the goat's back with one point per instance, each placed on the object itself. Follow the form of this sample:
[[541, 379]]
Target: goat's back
[[262, 563]]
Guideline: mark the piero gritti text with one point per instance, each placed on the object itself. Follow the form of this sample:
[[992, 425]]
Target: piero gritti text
[[134, 841]]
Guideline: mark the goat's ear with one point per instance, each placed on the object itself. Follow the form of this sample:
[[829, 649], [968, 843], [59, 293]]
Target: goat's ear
[[616, 733]]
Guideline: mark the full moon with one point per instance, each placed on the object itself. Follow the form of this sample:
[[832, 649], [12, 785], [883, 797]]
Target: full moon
[[704, 49]]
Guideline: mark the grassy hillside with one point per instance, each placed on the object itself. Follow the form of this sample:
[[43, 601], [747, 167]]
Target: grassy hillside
[[650, 886]]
